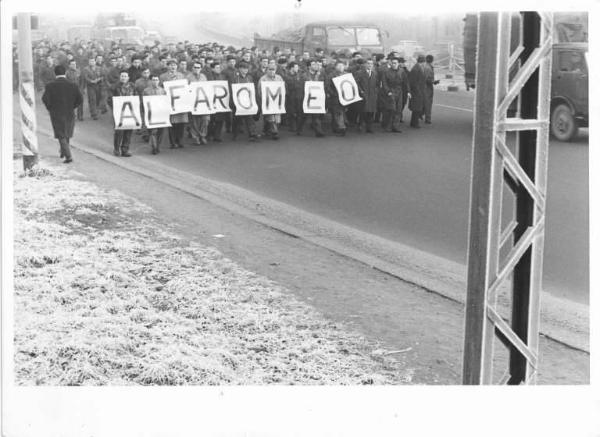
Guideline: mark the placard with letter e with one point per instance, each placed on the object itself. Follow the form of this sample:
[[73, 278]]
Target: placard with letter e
[[347, 89], [156, 112], [314, 97], [126, 112], [273, 97]]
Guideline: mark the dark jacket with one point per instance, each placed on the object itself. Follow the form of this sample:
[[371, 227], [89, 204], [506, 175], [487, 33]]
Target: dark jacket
[[61, 97], [120, 90], [369, 89], [395, 82], [416, 77], [294, 86], [134, 73], [333, 99]]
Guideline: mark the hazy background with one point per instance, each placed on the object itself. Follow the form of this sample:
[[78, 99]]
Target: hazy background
[[238, 28]]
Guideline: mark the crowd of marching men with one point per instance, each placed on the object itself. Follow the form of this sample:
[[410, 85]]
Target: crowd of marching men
[[385, 84]]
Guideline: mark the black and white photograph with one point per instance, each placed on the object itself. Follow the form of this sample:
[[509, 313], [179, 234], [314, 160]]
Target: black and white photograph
[[247, 201]]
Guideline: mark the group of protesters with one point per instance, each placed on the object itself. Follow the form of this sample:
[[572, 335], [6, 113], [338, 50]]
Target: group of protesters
[[386, 86]]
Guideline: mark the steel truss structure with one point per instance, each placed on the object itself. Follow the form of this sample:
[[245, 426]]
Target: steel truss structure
[[508, 104]]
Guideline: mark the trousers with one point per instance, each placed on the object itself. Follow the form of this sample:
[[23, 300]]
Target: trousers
[[122, 139]]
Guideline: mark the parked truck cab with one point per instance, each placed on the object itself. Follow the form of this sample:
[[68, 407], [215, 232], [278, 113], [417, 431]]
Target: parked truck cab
[[327, 35], [569, 97]]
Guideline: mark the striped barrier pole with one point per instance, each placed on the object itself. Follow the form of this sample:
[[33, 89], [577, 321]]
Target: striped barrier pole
[[29, 143]]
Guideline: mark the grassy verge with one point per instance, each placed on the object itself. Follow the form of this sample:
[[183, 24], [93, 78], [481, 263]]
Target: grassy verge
[[107, 294]]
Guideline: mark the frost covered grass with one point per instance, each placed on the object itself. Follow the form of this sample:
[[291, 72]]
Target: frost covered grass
[[106, 294]]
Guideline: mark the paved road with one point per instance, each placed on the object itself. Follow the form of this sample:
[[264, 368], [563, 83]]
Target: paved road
[[411, 187]]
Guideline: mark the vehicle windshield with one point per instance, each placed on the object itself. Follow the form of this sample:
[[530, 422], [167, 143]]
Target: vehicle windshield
[[341, 36], [367, 36]]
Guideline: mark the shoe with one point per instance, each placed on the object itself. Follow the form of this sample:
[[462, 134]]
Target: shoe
[[179, 146], [197, 143], [154, 152], [172, 146], [104, 111], [61, 155], [427, 121], [398, 131], [68, 160], [253, 139], [218, 140], [298, 134], [94, 118], [126, 154], [203, 141], [319, 135], [275, 137], [369, 131], [116, 153], [80, 119]]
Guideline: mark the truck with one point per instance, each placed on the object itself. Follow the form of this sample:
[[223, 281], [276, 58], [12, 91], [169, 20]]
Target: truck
[[339, 36], [569, 94], [118, 27]]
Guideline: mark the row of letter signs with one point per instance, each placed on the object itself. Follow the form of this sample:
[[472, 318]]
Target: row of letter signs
[[211, 97]]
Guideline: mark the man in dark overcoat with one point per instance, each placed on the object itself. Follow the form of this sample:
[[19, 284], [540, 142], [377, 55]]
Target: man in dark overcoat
[[429, 83], [416, 78], [368, 80], [61, 97]]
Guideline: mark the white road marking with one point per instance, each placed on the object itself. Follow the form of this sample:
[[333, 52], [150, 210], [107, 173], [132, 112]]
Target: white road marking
[[454, 107]]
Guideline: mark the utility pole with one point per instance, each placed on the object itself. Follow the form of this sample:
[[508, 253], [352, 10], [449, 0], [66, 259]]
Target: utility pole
[[29, 143], [517, 103]]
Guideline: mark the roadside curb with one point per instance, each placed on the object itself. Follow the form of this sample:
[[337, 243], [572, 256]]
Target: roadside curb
[[561, 320]]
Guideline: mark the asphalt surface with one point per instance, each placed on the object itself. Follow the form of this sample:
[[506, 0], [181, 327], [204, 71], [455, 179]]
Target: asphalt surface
[[411, 187]]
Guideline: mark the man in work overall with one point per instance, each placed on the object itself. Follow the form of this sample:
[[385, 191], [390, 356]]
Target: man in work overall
[[122, 137], [155, 135]]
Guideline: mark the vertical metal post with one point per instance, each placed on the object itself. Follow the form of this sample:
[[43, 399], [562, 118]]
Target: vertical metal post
[[27, 93], [525, 172], [477, 353]]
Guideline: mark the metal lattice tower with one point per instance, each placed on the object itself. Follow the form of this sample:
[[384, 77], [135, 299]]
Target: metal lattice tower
[[510, 150]]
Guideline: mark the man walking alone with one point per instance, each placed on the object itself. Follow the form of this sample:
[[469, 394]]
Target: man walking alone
[[61, 97]]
